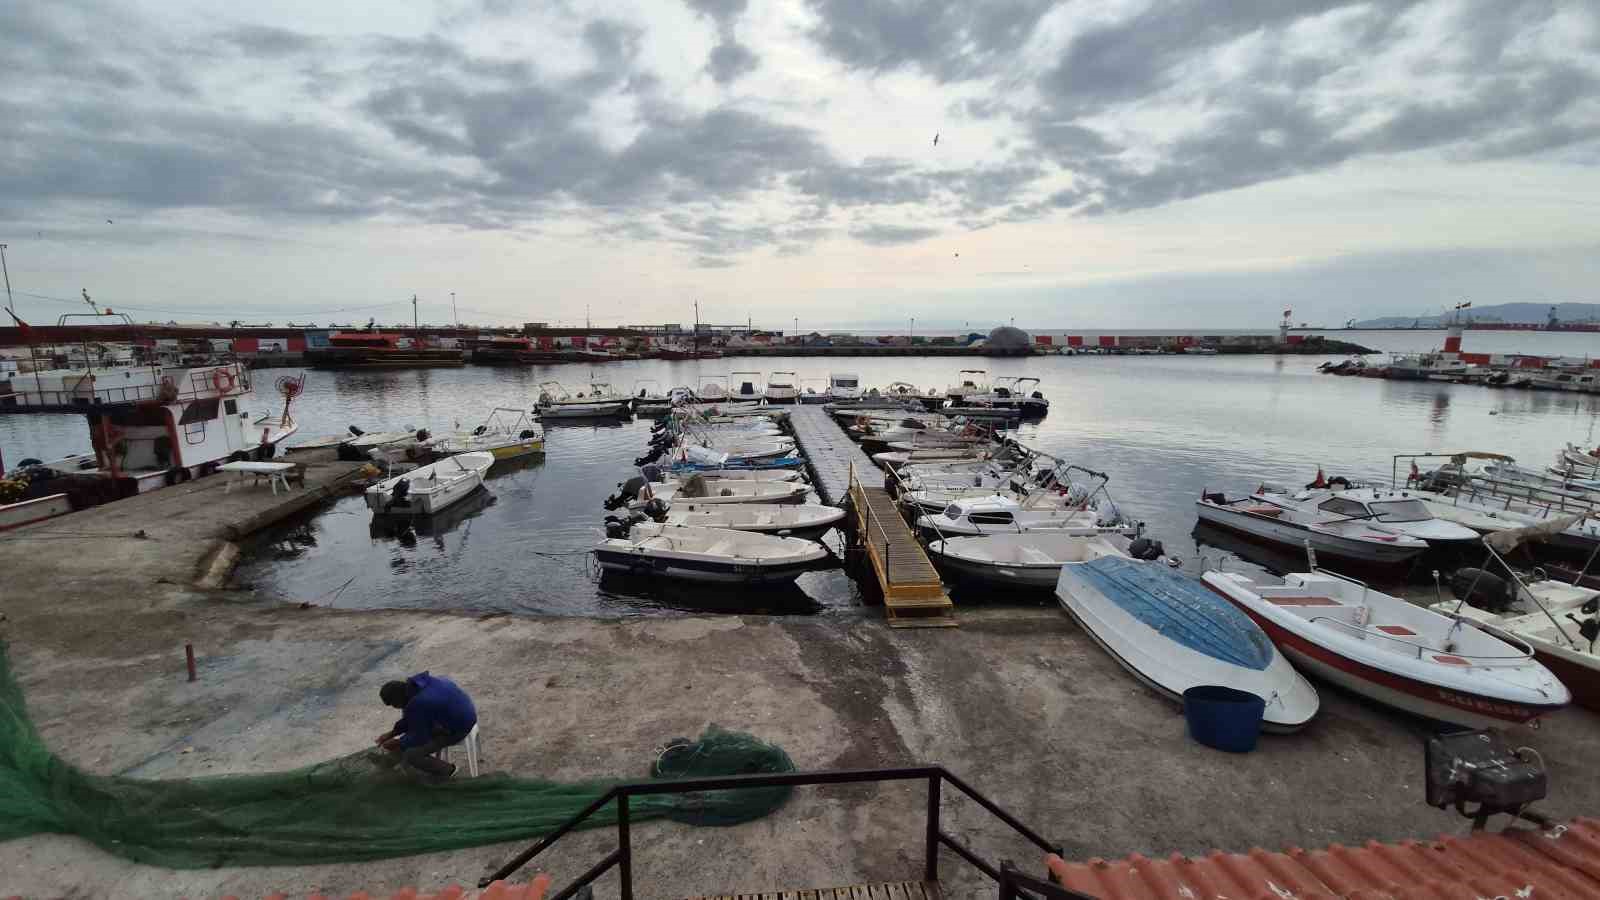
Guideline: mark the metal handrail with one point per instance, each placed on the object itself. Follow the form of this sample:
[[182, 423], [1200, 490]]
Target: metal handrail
[[622, 857]]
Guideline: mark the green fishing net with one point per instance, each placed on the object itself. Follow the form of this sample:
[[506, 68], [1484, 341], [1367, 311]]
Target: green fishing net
[[342, 810]]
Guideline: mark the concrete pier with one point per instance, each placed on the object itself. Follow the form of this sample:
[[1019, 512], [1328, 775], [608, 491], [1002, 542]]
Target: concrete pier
[[1018, 702]]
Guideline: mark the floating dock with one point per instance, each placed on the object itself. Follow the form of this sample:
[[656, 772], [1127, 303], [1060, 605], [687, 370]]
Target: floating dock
[[913, 595], [829, 452]]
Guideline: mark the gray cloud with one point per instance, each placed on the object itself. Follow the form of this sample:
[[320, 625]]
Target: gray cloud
[[948, 39], [266, 41], [723, 12], [890, 235], [730, 60]]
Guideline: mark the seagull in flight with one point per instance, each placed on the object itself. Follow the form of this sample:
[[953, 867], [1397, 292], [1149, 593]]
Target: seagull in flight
[[936, 138], [109, 222]]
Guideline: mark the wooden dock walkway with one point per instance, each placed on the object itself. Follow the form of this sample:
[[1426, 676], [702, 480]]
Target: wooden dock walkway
[[829, 452]]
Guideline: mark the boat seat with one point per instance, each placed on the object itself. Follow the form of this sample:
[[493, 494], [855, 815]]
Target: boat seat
[[1300, 600]]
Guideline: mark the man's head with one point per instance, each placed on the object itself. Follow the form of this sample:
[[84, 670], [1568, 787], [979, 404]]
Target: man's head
[[395, 694]]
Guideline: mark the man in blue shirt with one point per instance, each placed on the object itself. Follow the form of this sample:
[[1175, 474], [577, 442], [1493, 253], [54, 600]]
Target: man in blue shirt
[[435, 714]]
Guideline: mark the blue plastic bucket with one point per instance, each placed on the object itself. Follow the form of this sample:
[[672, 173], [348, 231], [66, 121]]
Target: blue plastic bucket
[[1223, 717]]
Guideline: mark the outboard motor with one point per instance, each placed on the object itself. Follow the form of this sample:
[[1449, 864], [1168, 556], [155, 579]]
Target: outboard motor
[[617, 529], [628, 490], [1146, 549], [652, 472], [1484, 590], [422, 435], [656, 509], [650, 457], [399, 493]]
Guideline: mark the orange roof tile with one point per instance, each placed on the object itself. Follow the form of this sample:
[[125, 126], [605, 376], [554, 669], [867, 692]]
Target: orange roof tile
[[1545, 864]]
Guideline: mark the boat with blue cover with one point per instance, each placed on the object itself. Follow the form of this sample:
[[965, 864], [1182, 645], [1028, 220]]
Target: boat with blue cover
[[1173, 634]]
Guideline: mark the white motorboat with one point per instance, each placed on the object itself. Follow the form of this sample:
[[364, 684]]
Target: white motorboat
[[1560, 620], [844, 386], [1024, 394], [648, 399], [814, 391], [970, 383], [896, 459], [1385, 509], [746, 387], [637, 492], [694, 553], [599, 400], [802, 520], [712, 391], [782, 387], [1337, 536], [428, 489], [1394, 652], [1030, 560], [1172, 634], [317, 442], [1001, 514], [507, 433]]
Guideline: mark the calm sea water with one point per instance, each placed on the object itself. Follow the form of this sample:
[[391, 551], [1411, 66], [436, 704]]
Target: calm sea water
[[1164, 428]]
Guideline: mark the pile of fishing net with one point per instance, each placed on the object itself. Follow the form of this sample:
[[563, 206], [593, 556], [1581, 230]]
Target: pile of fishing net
[[342, 810]]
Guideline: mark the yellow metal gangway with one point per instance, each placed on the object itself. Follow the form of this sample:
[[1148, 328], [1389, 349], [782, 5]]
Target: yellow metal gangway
[[913, 595]]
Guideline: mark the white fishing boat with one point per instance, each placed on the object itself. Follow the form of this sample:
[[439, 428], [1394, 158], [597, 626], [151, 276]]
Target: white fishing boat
[[844, 386], [1333, 535], [648, 400], [1032, 559], [597, 401], [150, 426], [637, 492], [1172, 634], [746, 387], [802, 520], [428, 489], [896, 459], [1394, 652], [507, 434], [692, 553], [782, 387]]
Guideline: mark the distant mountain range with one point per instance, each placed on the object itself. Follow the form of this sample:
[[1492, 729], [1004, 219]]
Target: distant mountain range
[[1516, 313]]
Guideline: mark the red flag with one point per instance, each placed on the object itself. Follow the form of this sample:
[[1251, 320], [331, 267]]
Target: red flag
[[24, 327]]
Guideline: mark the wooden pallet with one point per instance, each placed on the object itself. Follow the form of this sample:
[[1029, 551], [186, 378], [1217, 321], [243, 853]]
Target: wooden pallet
[[888, 890]]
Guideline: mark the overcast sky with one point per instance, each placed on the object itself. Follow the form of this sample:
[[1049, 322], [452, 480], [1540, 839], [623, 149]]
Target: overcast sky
[[1099, 164]]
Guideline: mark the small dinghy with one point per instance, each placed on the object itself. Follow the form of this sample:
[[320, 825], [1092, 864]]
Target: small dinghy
[[802, 520], [507, 433], [1330, 534], [1031, 560], [1172, 634], [704, 554], [429, 489], [1401, 655]]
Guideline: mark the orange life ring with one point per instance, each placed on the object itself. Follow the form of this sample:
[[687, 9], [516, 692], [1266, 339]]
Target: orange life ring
[[223, 380]]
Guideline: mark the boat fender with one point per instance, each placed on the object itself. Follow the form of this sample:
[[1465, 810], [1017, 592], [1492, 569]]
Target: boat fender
[[1484, 590]]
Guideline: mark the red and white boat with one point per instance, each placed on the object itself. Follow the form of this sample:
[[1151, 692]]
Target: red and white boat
[[1404, 656]]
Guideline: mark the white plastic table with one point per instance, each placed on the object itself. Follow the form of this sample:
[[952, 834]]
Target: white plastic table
[[275, 473]]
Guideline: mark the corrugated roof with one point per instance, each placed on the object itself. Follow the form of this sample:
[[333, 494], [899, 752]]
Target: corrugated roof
[[1535, 864]]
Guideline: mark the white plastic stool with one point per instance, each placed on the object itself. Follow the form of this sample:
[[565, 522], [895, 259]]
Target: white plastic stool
[[471, 743]]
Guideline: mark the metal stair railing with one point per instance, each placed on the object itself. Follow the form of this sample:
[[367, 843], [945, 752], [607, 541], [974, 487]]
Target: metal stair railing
[[936, 776]]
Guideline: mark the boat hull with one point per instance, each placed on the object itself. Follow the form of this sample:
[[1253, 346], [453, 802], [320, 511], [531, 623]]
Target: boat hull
[[654, 565], [584, 410], [1410, 695], [1170, 668], [1033, 577], [1295, 537]]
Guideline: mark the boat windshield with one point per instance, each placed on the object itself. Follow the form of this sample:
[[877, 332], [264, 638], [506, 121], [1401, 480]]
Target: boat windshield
[[1401, 511], [844, 382]]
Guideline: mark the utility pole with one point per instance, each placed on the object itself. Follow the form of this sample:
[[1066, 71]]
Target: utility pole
[[697, 328], [913, 333], [453, 311], [9, 305], [415, 325]]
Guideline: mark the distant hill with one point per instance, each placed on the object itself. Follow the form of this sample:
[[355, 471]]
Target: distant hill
[[1516, 313]]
